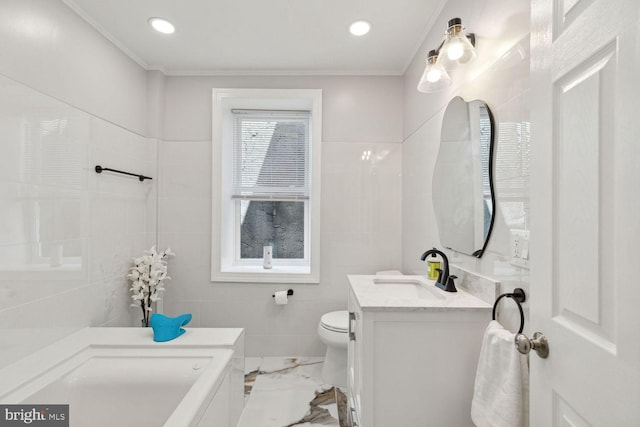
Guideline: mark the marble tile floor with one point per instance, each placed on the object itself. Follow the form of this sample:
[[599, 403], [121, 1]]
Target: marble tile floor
[[289, 392]]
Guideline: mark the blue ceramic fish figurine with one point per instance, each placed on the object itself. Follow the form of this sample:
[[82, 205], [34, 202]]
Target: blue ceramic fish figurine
[[168, 328]]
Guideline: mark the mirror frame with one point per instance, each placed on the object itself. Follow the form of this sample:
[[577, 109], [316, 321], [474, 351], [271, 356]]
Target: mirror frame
[[477, 253]]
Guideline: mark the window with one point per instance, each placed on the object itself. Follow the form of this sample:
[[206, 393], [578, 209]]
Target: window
[[266, 192], [271, 183]]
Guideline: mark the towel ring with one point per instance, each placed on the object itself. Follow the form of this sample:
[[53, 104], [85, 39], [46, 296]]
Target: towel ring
[[518, 296]]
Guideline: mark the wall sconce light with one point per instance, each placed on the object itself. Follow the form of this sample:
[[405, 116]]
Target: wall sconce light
[[435, 77], [457, 47]]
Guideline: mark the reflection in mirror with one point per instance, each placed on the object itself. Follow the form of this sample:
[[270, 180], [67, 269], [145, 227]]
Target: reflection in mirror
[[462, 179]]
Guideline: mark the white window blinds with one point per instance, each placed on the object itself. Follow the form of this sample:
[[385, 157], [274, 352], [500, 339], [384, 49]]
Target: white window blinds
[[485, 149], [271, 154]]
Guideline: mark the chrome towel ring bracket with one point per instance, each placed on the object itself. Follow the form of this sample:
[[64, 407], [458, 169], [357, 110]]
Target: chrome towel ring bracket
[[523, 344]]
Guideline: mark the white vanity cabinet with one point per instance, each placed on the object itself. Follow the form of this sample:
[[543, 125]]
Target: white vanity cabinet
[[412, 362]]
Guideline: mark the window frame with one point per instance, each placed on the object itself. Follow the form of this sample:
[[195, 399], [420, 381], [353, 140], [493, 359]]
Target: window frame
[[224, 231]]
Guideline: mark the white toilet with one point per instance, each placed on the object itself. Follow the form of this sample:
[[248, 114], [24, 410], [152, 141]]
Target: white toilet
[[334, 332]]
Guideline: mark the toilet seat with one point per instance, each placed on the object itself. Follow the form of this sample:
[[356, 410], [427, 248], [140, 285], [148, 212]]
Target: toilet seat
[[336, 321]]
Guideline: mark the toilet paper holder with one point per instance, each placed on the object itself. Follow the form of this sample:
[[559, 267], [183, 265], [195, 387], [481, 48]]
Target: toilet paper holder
[[289, 293]]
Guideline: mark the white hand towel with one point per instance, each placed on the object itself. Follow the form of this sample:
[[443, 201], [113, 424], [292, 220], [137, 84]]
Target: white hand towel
[[501, 391]]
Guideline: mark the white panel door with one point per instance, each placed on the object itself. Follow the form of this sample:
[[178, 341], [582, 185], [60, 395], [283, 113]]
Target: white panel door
[[585, 210]]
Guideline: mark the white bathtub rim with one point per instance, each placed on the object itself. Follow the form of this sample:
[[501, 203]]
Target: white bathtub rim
[[40, 378], [22, 371], [195, 402], [30, 374]]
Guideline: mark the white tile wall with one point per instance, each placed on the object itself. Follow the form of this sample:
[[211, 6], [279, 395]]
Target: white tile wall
[[500, 77], [47, 46], [360, 234], [361, 206], [67, 234], [354, 108]]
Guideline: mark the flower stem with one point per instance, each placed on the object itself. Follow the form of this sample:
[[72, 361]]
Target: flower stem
[[145, 319]]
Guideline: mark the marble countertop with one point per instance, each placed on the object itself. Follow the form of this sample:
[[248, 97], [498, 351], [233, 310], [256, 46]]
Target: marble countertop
[[409, 293]]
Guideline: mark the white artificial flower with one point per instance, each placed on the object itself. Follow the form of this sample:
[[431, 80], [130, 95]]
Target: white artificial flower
[[146, 276], [158, 275]]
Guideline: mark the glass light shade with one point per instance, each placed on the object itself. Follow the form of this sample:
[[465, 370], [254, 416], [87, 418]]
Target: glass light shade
[[434, 78], [459, 49]]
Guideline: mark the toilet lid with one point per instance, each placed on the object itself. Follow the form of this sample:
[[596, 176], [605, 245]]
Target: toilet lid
[[337, 321]]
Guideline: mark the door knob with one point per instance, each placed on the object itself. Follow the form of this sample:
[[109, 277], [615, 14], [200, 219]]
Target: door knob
[[538, 343]]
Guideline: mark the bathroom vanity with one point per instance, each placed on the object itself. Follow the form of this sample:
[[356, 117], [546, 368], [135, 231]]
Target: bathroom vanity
[[413, 352]]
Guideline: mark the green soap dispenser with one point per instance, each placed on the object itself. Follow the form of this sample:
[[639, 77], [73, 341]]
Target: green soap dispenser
[[433, 264]]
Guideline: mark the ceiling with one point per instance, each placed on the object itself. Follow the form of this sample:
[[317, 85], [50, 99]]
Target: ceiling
[[253, 37]]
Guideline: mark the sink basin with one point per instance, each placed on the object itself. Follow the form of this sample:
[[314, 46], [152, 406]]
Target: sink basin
[[408, 287]]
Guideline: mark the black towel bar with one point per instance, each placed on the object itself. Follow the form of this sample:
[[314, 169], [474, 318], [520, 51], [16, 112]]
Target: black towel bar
[[99, 169], [518, 296]]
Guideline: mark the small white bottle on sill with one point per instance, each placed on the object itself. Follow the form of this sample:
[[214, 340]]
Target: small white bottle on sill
[[267, 255]]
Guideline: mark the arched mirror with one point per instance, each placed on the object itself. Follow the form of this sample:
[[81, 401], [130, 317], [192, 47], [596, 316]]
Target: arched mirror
[[463, 197]]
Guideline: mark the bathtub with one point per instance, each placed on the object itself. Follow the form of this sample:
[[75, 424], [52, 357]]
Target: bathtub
[[119, 376]]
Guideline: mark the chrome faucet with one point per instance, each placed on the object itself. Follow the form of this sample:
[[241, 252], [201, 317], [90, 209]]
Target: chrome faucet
[[444, 282]]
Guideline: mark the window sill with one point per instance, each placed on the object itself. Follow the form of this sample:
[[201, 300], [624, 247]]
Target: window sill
[[258, 274]]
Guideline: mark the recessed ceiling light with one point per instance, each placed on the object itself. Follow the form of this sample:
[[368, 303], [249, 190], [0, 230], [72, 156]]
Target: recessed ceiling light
[[359, 28], [162, 25]]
